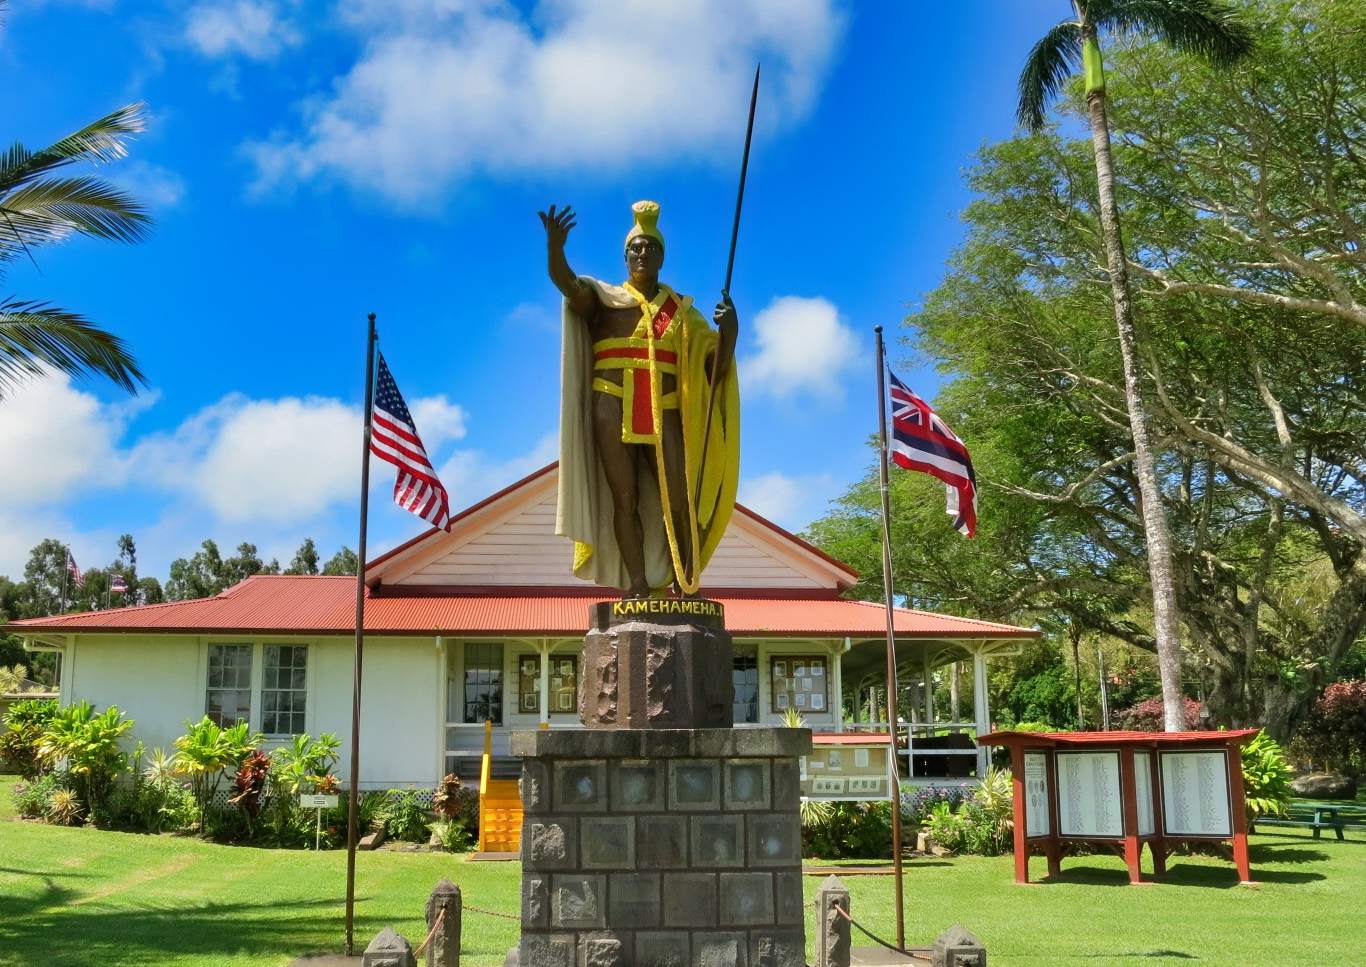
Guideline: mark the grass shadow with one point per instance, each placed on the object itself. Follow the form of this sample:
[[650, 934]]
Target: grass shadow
[[1284, 853]]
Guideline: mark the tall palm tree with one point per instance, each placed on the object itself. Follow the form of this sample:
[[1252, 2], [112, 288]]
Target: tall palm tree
[[39, 207], [1213, 30]]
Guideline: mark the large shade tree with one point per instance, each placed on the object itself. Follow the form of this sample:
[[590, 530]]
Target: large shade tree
[[41, 204], [1210, 29]]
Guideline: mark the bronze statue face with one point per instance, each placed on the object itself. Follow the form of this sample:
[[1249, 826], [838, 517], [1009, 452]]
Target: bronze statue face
[[644, 258]]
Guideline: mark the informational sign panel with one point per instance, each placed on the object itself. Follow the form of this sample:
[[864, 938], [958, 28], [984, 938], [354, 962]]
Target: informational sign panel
[[846, 772], [1143, 789], [1088, 795], [310, 801], [1195, 794], [1037, 820]]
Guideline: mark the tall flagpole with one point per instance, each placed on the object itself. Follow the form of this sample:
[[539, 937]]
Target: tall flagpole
[[891, 629], [352, 798]]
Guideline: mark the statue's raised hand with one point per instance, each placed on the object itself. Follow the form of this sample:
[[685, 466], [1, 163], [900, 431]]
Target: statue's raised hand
[[557, 225]]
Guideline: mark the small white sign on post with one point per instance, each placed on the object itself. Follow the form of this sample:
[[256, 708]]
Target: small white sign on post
[[319, 802]]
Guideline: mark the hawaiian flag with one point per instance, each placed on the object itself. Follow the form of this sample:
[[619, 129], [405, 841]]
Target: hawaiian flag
[[394, 439], [922, 441], [118, 585], [77, 577]]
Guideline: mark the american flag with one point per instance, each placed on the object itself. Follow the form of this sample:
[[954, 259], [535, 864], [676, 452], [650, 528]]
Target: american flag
[[922, 441], [118, 584], [393, 438], [77, 578]]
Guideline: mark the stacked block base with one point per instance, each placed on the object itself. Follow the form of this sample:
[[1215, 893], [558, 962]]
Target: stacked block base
[[661, 848]]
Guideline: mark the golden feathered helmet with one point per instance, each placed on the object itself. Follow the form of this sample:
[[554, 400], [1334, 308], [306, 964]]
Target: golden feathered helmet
[[647, 222]]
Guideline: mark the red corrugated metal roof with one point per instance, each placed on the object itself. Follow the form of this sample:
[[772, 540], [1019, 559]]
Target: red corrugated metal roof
[[326, 605], [850, 738], [1007, 737]]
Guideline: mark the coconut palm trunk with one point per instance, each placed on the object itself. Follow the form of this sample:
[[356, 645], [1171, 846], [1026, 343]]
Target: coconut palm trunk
[[1166, 617], [1214, 30]]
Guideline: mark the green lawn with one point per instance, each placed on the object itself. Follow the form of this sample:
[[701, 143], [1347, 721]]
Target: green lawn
[[72, 897]]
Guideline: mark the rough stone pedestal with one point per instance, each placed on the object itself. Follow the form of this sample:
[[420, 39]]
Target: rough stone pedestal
[[657, 663], [661, 847]]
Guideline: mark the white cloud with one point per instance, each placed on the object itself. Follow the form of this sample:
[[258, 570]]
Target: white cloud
[[803, 346], [792, 502], [55, 438], [152, 185], [445, 89], [438, 420], [251, 28], [471, 475]]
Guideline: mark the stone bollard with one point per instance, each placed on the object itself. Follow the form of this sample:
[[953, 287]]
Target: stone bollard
[[957, 947], [443, 949], [388, 949], [832, 930]]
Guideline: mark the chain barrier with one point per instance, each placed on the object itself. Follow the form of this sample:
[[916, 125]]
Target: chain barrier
[[492, 913]]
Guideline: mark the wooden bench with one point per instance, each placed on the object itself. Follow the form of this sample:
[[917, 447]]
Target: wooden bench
[[1316, 817]]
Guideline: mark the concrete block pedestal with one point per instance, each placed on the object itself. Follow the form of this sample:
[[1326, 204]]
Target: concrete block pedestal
[[661, 847]]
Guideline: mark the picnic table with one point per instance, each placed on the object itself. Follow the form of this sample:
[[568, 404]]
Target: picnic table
[[1318, 816]]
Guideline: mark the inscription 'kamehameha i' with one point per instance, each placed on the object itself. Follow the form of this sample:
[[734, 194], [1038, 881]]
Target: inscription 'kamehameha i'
[[698, 612], [656, 606]]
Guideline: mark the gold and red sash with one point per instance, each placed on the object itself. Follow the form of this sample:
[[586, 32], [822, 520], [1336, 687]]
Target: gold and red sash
[[655, 331]]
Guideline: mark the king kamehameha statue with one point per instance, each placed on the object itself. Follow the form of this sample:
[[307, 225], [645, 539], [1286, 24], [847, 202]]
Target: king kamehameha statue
[[649, 419]]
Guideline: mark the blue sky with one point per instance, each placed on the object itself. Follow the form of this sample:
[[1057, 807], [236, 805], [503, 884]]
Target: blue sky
[[309, 162]]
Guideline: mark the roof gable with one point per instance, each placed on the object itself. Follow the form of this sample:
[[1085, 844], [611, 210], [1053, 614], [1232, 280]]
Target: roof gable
[[509, 539]]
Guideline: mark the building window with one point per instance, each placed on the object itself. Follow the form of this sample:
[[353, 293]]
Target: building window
[[284, 670], [483, 682], [799, 683], [746, 678], [564, 684], [228, 698]]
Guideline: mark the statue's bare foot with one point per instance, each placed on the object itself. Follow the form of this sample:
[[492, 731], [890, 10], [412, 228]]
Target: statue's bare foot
[[637, 591]]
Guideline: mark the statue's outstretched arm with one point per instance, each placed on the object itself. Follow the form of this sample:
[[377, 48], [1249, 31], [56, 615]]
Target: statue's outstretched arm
[[582, 299]]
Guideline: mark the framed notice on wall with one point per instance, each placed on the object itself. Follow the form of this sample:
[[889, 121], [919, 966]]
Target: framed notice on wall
[[1143, 789], [1037, 820], [1195, 794], [1088, 795]]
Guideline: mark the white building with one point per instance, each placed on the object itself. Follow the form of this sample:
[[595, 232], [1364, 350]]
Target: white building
[[486, 622]]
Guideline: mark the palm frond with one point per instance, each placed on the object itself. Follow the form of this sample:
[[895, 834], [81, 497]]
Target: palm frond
[[35, 336], [1212, 29], [1050, 63], [99, 142], [51, 209]]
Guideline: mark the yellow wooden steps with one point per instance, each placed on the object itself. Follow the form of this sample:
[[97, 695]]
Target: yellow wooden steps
[[500, 816]]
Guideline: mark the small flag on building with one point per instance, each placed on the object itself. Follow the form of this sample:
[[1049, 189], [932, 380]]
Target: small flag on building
[[394, 439], [77, 578], [118, 585], [922, 441]]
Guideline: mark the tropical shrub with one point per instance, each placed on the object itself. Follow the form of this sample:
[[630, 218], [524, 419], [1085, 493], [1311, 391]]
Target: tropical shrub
[[89, 744], [1266, 777], [446, 798], [24, 725], [306, 765], [249, 784], [452, 835], [916, 804], [206, 750], [983, 823], [851, 830], [404, 816], [64, 808], [1147, 716], [31, 798], [1333, 735]]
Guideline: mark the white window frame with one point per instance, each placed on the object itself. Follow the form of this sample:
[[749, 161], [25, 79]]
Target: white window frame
[[261, 694], [258, 656]]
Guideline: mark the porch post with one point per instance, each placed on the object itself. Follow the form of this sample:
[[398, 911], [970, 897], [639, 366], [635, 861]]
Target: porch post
[[837, 685], [543, 646], [980, 710], [929, 687]]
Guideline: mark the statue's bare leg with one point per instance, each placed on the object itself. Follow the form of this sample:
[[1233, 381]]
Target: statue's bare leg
[[677, 477], [619, 466]]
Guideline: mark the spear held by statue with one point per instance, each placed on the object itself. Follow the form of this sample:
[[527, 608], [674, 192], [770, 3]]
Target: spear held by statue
[[725, 289]]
